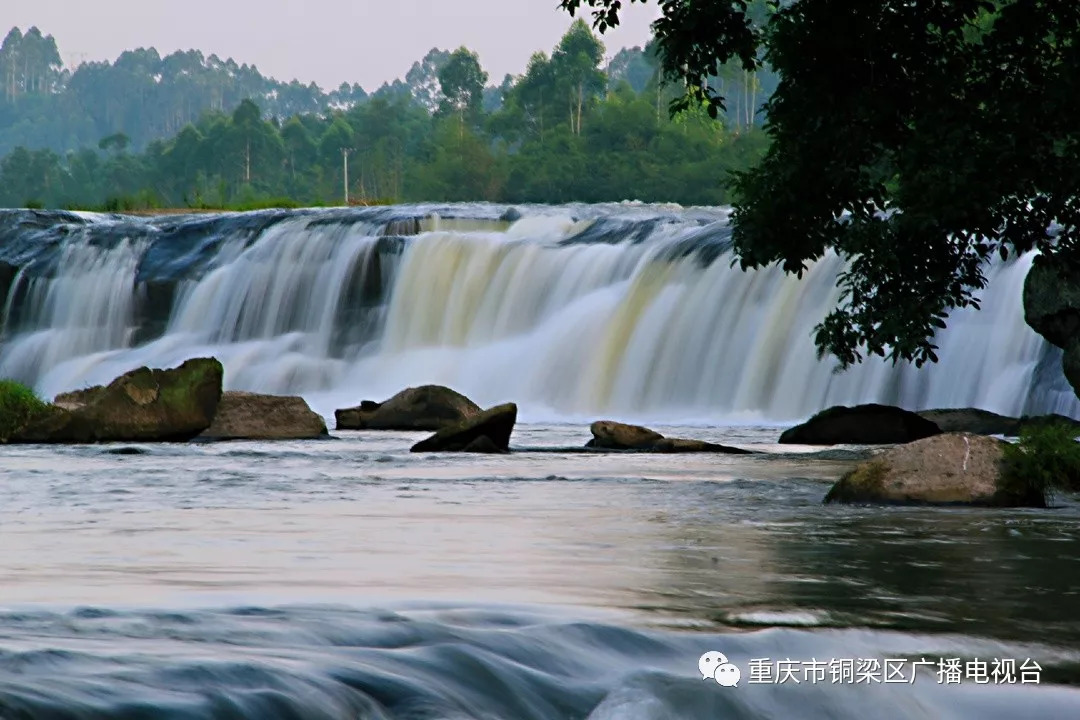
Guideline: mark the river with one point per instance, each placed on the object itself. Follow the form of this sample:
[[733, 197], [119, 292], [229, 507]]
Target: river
[[349, 578]]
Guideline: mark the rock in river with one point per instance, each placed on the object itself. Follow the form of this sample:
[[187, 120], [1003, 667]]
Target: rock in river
[[982, 422], [251, 416], [861, 425], [487, 431], [611, 435], [972, 420], [428, 407], [949, 469], [143, 405]]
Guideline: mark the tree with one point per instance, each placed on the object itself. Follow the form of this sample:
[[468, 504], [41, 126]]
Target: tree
[[576, 66], [423, 79], [632, 65], [530, 93], [461, 81], [10, 62], [117, 142], [916, 138], [253, 140]]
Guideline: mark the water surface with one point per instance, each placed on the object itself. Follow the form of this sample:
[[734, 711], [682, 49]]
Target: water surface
[[349, 578]]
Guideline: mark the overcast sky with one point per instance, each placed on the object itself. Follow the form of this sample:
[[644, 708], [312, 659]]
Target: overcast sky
[[328, 41]]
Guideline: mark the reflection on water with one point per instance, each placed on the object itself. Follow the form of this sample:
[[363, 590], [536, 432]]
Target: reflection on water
[[709, 543], [715, 539]]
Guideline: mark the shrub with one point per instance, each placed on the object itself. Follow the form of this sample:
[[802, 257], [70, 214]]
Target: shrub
[[1047, 458], [18, 405]]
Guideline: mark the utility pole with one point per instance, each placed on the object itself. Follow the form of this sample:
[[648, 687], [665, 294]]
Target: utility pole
[[345, 163]]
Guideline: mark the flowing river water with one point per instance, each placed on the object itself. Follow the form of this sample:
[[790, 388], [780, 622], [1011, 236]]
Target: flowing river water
[[349, 578]]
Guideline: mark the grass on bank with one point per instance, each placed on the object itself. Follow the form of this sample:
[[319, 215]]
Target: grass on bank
[[1046, 459], [18, 405]]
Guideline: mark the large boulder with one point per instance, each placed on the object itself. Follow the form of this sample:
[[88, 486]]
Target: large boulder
[[861, 425], [487, 431], [428, 407], [611, 435], [251, 416], [1052, 309], [949, 469], [143, 405], [972, 420]]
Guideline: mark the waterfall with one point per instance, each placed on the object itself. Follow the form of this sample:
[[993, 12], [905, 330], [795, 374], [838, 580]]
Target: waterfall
[[631, 312]]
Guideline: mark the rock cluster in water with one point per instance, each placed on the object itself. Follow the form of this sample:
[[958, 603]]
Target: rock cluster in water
[[939, 456], [143, 405], [175, 405]]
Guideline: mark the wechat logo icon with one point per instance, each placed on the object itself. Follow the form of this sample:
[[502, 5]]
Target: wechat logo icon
[[715, 666]]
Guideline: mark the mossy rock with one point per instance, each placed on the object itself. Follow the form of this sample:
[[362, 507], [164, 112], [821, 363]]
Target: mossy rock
[[948, 469], [144, 405]]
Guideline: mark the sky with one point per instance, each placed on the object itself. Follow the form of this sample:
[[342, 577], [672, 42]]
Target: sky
[[328, 41]]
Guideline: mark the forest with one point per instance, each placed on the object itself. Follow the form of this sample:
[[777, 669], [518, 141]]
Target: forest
[[186, 130]]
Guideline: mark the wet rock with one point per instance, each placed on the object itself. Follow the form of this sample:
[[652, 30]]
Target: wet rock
[[486, 431], [125, 451], [143, 405], [611, 435], [972, 420], [948, 469], [982, 422], [861, 425], [251, 416], [511, 215], [483, 444], [428, 407], [680, 445]]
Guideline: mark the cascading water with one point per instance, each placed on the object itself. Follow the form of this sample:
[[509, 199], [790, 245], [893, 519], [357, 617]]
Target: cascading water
[[574, 311]]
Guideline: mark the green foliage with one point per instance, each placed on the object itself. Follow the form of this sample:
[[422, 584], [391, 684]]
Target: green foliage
[[1046, 458], [461, 81], [917, 139], [18, 405], [558, 134]]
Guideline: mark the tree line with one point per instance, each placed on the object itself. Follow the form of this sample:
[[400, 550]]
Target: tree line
[[570, 128]]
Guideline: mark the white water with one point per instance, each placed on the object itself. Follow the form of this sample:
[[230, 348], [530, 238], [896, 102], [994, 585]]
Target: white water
[[564, 330]]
